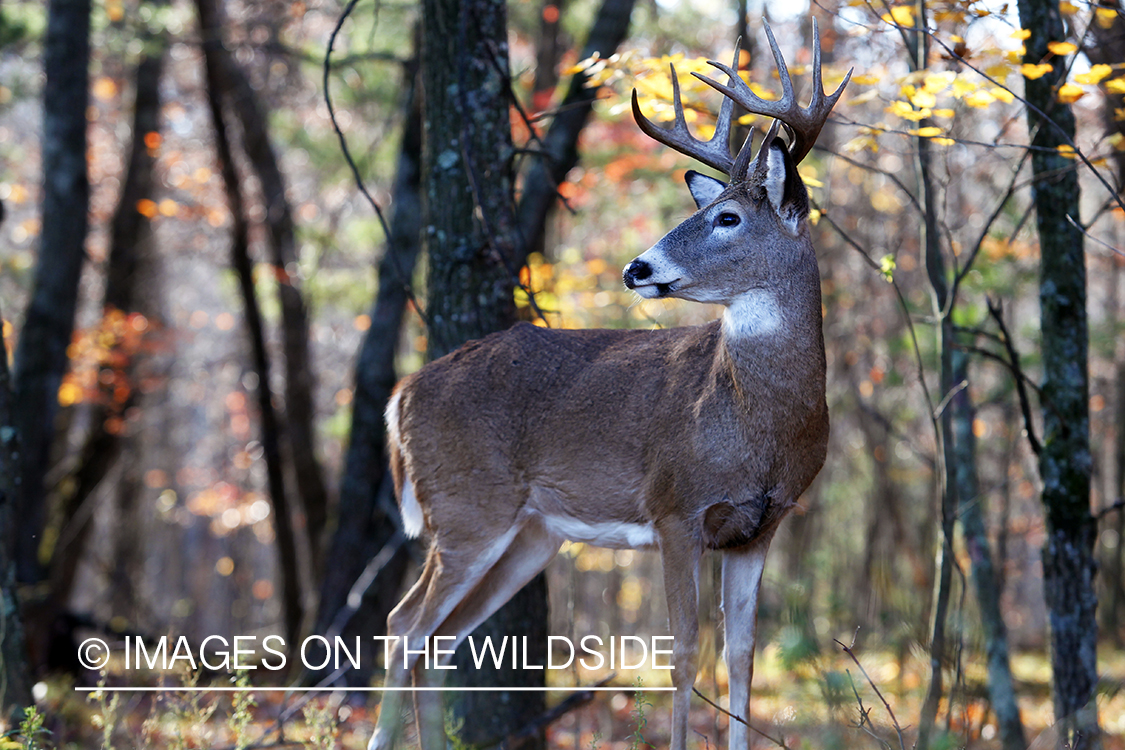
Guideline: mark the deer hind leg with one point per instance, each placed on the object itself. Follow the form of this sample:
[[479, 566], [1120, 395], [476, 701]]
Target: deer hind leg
[[528, 554], [451, 572], [742, 578], [679, 558]]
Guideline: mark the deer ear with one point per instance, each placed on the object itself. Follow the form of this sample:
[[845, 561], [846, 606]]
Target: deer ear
[[784, 187], [703, 189]]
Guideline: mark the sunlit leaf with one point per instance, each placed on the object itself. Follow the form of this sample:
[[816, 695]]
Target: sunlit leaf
[[1106, 17], [923, 99], [935, 83], [943, 113], [1095, 74], [1002, 95], [943, 141], [887, 267], [1066, 151], [963, 86], [979, 99], [1067, 8], [1021, 34], [1062, 48], [902, 15], [1069, 93], [1116, 86], [866, 80], [928, 132], [1032, 72]]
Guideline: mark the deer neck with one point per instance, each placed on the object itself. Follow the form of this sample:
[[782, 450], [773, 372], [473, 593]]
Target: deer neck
[[774, 334]]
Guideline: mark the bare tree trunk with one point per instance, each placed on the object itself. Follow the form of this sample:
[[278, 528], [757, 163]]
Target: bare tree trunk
[[298, 417], [1064, 460], [15, 682], [41, 357], [292, 605], [970, 504]]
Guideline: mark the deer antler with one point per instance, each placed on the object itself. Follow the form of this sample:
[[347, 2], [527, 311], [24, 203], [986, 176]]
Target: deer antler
[[803, 124], [714, 152]]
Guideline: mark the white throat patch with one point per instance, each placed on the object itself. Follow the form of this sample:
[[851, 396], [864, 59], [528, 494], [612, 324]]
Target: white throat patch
[[754, 313]]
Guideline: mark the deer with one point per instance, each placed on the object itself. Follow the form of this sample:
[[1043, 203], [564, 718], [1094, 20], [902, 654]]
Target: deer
[[682, 440]]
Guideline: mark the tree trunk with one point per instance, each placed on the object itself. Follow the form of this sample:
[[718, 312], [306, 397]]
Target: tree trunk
[[298, 417], [970, 504], [1065, 459], [15, 682], [41, 357], [470, 236], [292, 606]]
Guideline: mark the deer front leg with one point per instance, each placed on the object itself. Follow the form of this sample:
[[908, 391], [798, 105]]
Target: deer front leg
[[679, 553], [742, 577]]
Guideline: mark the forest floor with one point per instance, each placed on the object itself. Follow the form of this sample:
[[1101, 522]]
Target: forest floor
[[816, 704]]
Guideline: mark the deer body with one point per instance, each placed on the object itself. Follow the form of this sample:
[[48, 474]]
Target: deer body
[[682, 439]]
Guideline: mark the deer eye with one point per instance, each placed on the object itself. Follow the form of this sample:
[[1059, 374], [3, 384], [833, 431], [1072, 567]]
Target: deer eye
[[727, 220]]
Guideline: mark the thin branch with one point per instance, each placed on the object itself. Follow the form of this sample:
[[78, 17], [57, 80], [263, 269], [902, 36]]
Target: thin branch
[[1089, 236], [1021, 389], [890, 711], [740, 720]]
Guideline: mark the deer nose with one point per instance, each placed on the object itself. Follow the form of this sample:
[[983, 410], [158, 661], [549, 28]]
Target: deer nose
[[636, 271]]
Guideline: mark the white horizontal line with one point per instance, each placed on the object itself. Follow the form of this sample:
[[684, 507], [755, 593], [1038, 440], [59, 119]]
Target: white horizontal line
[[251, 689]]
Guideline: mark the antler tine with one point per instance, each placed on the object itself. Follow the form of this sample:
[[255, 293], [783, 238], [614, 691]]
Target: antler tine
[[714, 152], [804, 124]]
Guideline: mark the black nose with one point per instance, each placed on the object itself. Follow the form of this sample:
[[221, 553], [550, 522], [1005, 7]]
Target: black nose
[[636, 271]]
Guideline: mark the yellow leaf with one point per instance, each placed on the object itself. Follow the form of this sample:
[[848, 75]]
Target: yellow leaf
[[963, 86], [1002, 95], [900, 15], [923, 99], [935, 83], [1116, 86], [1106, 17], [955, 16], [1095, 75], [1067, 8], [1117, 140], [979, 99], [1066, 151], [943, 113], [1031, 72], [929, 132], [1062, 48], [1021, 34], [1015, 56], [814, 216], [998, 71], [866, 80], [943, 141], [906, 112], [1069, 93]]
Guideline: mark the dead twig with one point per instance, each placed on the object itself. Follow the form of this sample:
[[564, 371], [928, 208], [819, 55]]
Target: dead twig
[[740, 720], [890, 711]]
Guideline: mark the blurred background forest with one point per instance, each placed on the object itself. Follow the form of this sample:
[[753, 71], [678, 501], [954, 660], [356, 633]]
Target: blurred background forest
[[216, 354]]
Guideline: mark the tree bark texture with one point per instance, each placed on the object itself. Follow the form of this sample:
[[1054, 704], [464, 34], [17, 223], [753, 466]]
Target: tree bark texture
[[1065, 460], [15, 682], [1001, 690], [298, 417], [471, 238], [41, 357], [292, 606]]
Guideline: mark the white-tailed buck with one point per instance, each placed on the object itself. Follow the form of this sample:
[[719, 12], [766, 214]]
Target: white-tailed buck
[[682, 440]]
